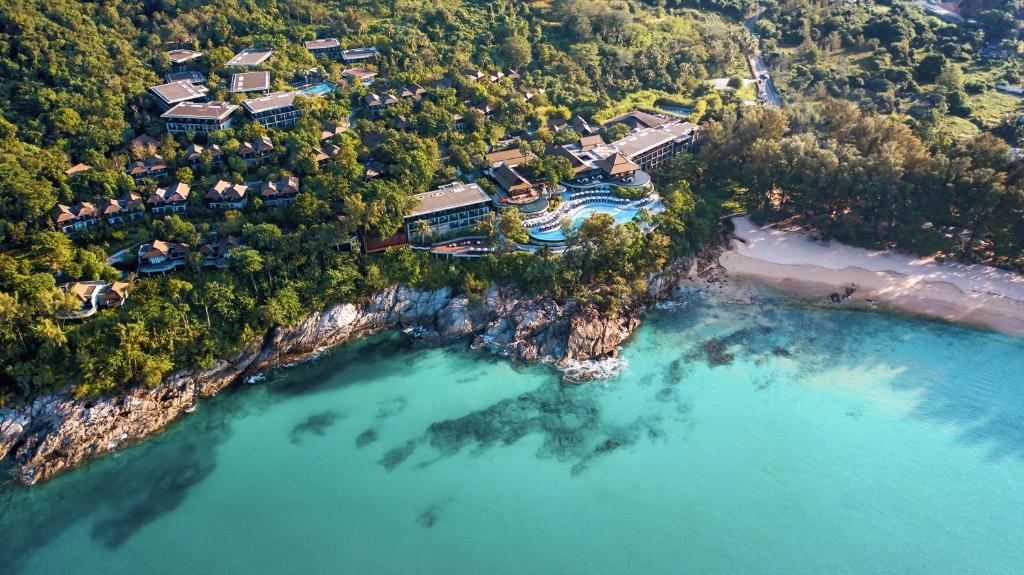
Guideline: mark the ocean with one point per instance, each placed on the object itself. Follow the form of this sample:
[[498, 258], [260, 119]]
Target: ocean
[[739, 438]]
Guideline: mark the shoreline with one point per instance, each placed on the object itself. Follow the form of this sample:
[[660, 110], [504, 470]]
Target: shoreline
[[792, 262]]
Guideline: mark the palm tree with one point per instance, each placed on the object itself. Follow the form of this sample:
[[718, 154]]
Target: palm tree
[[422, 229]]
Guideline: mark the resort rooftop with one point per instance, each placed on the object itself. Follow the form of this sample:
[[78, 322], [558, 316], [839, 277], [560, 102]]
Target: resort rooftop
[[179, 91], [250, 82], [453, 195], [187, 75], [649, 138], [322, 44], [271, 102], [180, 56], [250, 57], [201, 111]]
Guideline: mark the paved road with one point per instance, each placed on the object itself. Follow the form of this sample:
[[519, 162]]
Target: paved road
[[766, 89]]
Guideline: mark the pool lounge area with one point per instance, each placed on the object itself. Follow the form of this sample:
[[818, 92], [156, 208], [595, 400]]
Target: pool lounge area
[[320, 89], [576, 208]]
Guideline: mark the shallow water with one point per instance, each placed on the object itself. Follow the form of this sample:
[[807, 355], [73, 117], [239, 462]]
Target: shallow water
[[738, 439]]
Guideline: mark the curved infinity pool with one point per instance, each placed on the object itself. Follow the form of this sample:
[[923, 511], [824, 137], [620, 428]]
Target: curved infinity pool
[[622, 214]]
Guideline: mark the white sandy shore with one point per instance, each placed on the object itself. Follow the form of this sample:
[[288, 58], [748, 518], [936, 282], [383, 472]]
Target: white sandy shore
[[791, 261]]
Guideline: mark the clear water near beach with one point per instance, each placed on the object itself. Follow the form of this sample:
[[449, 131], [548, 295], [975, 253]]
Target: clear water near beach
[[759, 438]]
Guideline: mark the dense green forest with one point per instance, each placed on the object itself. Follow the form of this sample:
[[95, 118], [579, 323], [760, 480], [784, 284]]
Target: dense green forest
[[863, 153], [75, 85], [892, 57]]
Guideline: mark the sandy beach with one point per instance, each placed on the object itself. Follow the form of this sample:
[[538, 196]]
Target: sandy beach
[[792, 261]]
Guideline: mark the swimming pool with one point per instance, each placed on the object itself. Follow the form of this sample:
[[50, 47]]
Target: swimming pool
[[319, 89], [622, 214]]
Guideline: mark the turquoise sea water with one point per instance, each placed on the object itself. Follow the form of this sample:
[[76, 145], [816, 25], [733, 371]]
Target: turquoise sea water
[[738, 439]]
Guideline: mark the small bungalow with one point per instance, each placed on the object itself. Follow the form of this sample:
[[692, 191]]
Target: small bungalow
[[374, 169], [196, 153], [256, 151], [582, 127], [152, 168], [77, 169], [329, 130], [92, 295], [170, 200], [281, 192], [76, 217], [362, 75], [250, 57], [358, 54], [215, 252], [159, 256], [181, 56], [324, 47], [326, 153], [412, 91], [117, 211], [376, 103], [227, 196]]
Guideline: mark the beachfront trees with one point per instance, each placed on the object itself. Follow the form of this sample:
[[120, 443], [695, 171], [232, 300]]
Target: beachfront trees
[[869, 179]]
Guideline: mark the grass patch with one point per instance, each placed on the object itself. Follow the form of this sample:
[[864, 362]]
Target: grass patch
[[991, 107]]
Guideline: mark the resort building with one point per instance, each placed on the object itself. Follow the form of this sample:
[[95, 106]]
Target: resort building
[[198, 118], [152, 168], [227, 196], [256, 151], [180, 57], [618, 166], [249, 82], [358, 55], [330, 130], [197, 155], [76, 217], [580, 126], [324, 47], [642, 149], [281, 192], [326, 153], [77, 169], [159, 256], [517, 188], [277, 110], [187, 76], [637, 120], [176, 92], [653, 147], [413, 91], [472, 75], [362, 75], [170, 200], [215, 252], [512, 157], [250, 57], [117, 211], [92, 295], [450, 208], [377, 104], [144, 142]]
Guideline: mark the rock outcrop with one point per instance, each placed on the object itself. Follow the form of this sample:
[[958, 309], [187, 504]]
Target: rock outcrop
[[58, 432]]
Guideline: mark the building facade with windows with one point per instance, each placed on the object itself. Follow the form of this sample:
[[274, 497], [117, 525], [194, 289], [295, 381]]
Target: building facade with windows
[[198, 118]]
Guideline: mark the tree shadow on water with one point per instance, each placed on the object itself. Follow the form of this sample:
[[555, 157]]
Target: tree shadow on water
[[119, 494]]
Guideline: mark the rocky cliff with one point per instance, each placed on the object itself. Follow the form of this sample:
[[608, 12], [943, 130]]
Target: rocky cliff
[[57, 432]]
